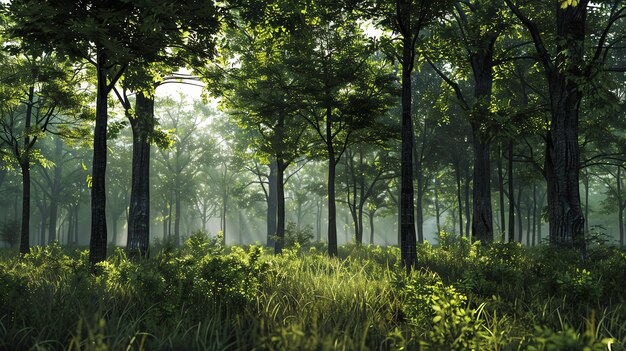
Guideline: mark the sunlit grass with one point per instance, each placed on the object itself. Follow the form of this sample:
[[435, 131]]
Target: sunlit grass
[[206, 297]]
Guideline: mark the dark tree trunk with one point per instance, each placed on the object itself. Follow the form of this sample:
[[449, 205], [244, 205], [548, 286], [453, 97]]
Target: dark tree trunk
[[55, 191], [535, 215], [501, 193], [419, 206], [466, 188], [482, 220], [272, 204], [76, 209], [620, 205], [24, 160], [457, 174], [178, 217], [332, 165], [98, 242], [482, 68], [332, 210], [511, 233], [371, 217], [586, 185], [280, 205], [138, 238], [529, 209], [437, 210], [519, 214], [407, 210]]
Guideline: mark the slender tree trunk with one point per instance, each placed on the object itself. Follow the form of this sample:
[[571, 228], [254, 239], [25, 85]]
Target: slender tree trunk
[[318, 220], [529, 209], [332, 164], [371, 217], [586, 185], [457, 173], [55, 191], [407, 211], [419, 206], [519, 213], [138, 238], [501, 193], [280, 208], [437, 210], [511, 195], [620, 204], [272, 204], [24, 161], [178, 210], [332, 210], [76, 209], [535, 215], [98, 242], [466, 188]]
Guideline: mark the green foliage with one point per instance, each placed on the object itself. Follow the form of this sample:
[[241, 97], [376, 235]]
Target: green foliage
[[206, 296]]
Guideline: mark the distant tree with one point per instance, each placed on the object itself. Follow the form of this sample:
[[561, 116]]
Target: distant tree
[[37, 90]]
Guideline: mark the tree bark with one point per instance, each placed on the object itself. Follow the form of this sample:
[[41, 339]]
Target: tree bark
[[501, 193], [457, 173], [280, 205], [332, 165], [98, 242], [511, 233], [24, 160], [407, 211], [55, 191], [482, 68], [272, 205], [138, 238], [620, 205]]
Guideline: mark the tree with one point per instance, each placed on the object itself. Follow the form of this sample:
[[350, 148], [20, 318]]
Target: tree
[[564, 65], [38, 89], [110, 35], [407, 19]]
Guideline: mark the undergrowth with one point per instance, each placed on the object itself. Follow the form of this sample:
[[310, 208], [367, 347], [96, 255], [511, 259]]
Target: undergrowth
[[204, 296]]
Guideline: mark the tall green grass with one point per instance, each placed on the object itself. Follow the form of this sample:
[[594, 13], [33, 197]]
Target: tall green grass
[[207, 297]]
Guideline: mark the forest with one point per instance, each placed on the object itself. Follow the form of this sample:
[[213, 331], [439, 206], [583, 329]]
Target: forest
[[312, 175]]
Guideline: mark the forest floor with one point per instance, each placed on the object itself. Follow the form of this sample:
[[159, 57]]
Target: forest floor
[[208, 297]]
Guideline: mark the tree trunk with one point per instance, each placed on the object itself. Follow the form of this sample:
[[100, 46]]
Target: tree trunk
[[519, 214], [332, 164], [482, 219], [528, 226], [138, 238], [535, 215], [419, 206], [272, 205], [511, 195], [280, 205], [482, 68], [178, 217], [620, 205], [501, 193], [332, 210], [371, 217], [466, 188], [407, 211], [437, 210], [457, 173], [55, 191], [24, 160], [98, 242]]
